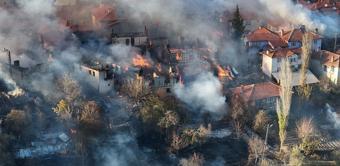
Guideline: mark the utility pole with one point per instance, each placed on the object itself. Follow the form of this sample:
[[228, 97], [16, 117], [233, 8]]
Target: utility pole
[[265, 141], [9, 60]]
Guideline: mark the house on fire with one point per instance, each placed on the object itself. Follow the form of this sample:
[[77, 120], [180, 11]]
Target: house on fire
[[128, 33], [272, 60], [261, 96], [326, 63], [100, 76]]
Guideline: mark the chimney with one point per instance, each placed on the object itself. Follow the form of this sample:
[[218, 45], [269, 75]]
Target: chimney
[[282, 32], [303, 28], [332, 59]]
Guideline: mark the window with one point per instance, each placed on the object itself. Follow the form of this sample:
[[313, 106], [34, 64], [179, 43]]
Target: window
[[332, 69], [94, 74], [133, 41], [278, 60], [127, 42], [90, 72], [108, 84], [325, 68]]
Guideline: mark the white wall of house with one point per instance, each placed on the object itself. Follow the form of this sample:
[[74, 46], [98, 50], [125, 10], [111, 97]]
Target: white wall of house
[[273, 65], [333, 73], [97, 79], [267, 65]]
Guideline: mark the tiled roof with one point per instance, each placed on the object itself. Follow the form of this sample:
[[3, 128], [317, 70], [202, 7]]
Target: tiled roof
[[282, 52], [297, 35], [322, 5], [264, 34], [104, 12], [330, 59], [259, 91]]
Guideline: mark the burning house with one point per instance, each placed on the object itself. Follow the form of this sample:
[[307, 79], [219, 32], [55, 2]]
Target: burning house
[[86, 26], [130, 34], [100, 76], [261, 96]]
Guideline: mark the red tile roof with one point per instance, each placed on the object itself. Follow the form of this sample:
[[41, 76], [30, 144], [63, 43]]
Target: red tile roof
[[255, 92], [297, 35], [322, 5], [79, 17], [282, 52], [264, 34], [330, 59], [104, 12]]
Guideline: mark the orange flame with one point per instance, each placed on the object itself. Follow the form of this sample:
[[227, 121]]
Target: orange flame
[[139, 61], [222, 72]]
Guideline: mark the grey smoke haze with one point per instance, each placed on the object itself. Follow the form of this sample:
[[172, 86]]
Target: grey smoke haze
[[203, 93]]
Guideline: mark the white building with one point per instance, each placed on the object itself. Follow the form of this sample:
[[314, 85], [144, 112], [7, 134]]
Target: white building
[[327, 64], [100, 77], [272, 61]]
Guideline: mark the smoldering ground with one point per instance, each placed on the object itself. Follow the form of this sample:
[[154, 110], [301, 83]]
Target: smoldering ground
[[190, 18]]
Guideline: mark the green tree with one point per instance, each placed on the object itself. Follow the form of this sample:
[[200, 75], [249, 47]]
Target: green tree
[[305, 90], [284, 103], [237, 24]]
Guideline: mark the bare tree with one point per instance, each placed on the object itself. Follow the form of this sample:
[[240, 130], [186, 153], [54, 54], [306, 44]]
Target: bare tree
[[305, 128], [18, 122], [189, 136], [296, 157], [304, 89], [256, 148], [90, 116], [238, 114], [136, 89], [261, 120], [70, 88], [63, 110], [194, 160], [284, 103]]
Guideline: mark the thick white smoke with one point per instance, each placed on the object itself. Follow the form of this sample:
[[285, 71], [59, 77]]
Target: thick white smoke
[[203, 93]]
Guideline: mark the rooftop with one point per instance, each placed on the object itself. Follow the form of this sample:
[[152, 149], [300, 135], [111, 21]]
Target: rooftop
[[282, 52], [255, 92]]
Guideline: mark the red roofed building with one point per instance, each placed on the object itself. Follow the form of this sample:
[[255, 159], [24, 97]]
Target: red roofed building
[[262, 95], [327, 63], [86, 17], [271, 59], [326, 6], [263, 38], [294, 38]]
